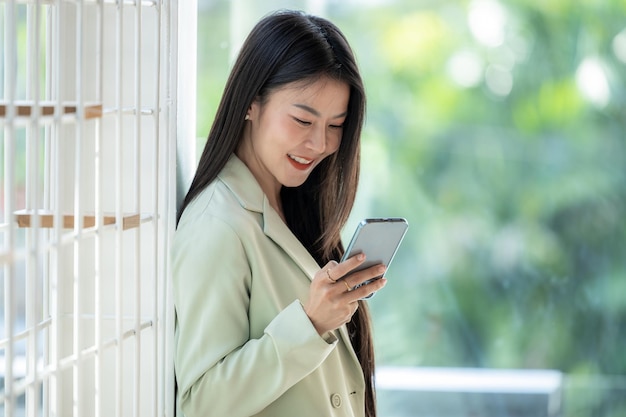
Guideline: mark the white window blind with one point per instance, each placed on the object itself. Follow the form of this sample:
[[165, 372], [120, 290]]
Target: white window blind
[[88, 125]]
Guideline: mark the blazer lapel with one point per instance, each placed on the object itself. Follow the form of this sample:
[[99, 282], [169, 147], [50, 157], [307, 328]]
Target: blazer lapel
[[277, 230], [244, 186]]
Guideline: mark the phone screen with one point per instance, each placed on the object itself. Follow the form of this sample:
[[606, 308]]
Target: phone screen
[[378, 239]]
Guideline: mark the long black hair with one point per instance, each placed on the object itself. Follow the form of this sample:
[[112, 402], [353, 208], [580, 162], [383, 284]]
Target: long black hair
[[286, 47]]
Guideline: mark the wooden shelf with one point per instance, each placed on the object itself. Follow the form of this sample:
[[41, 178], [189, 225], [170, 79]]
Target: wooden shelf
[[25, 218], [26, 109]]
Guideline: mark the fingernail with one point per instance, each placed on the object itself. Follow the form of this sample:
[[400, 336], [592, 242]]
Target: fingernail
[[360, 256]]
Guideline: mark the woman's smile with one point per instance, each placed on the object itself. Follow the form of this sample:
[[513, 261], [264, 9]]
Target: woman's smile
[[300, 163]]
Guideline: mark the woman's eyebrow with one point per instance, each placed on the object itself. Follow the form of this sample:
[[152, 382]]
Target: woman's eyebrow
[[315, 112]]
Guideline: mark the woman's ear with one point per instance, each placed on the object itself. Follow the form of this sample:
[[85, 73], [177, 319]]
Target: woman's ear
[[254, 110]]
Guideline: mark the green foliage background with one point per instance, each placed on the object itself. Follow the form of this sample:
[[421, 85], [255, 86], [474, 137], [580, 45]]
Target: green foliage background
[[516, 254]]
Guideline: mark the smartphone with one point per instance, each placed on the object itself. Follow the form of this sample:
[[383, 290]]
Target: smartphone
[[379, 239]]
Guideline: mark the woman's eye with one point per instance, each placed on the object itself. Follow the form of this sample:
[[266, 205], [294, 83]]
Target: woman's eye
[[336, 126], [302, 122]]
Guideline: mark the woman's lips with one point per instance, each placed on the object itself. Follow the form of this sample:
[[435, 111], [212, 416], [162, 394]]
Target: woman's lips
[[300, 163]]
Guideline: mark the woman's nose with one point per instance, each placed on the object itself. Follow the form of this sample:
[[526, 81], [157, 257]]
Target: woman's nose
[[317, 141]]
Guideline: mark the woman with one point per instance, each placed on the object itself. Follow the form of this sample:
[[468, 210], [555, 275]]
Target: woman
[[267, 322]]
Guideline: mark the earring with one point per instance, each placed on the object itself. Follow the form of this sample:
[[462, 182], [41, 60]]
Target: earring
[[247, 117]]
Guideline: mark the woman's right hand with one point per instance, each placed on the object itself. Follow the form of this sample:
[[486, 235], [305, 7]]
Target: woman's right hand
[[333, 296]]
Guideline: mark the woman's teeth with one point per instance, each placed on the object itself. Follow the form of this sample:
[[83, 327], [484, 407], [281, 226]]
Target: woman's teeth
[[300, 160]]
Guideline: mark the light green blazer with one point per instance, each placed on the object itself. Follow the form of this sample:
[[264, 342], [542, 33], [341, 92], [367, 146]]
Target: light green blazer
[[243, 344]]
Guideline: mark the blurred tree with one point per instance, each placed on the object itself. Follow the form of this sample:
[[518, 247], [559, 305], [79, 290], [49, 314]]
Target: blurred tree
[[503, 129]]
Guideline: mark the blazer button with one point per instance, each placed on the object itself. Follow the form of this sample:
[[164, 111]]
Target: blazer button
[[335, 400]]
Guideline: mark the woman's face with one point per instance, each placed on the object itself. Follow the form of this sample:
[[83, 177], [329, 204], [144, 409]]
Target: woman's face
[[290, 133]]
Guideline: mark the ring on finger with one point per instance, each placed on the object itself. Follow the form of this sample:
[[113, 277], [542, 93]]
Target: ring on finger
[[346, 284], [329, 277]]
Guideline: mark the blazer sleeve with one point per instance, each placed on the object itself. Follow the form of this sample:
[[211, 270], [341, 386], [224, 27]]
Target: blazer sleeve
[[219, 370]]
